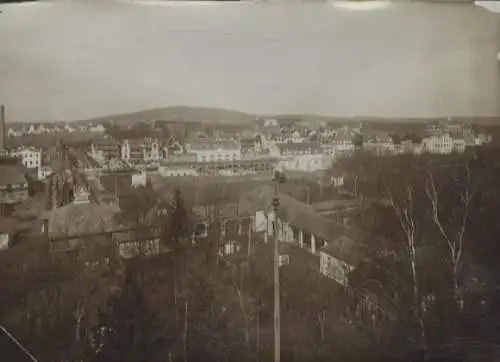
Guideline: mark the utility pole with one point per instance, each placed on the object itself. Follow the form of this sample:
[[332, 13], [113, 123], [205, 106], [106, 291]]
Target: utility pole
[[277, 323]]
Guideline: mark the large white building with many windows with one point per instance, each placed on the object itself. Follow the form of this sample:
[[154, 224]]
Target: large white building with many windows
[[31, 157], [441, 144], [208, 150]]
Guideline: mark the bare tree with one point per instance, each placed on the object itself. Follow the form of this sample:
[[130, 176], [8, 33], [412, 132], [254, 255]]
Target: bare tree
[[245, 308], [451, 219], [404, 207]]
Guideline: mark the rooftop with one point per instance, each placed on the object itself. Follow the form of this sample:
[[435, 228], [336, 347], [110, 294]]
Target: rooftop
[[75, 219]]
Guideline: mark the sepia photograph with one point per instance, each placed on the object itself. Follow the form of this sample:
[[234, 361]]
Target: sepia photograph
[[249, 181]]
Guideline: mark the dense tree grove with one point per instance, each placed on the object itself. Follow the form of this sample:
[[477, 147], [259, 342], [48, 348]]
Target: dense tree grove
[[435, 283], [437, 211]]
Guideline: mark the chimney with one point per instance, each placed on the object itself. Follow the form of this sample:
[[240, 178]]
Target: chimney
[[2, 127]]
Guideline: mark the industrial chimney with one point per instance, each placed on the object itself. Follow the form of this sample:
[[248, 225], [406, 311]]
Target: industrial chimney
[[2, 127]]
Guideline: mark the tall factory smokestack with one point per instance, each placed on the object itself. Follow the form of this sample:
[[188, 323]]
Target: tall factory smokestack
[[2, 127]]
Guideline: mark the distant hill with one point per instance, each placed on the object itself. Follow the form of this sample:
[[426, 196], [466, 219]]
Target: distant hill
[[209, 115], [181, 113]]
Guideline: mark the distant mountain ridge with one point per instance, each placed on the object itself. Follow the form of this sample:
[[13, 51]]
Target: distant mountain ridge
[[225, 116], [181, 113]]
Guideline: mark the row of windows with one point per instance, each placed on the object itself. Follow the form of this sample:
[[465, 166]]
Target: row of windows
[[206, 158], [300, 152]]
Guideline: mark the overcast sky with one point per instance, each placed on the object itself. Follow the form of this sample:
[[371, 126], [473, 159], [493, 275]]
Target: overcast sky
[[71, 60]]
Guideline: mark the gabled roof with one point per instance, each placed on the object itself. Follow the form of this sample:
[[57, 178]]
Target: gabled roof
[[260, 199], [323, 227], [76, 219]]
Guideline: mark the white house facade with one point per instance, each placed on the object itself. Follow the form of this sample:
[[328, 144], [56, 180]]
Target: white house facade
[[214, 151], [31, 157]]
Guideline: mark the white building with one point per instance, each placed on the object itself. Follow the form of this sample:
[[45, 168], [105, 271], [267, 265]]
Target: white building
[[31, 130], [97, 129], [271, 122], [139, 151], [68, 128], [343, 142], [282, 150], [438, 144], [31, 157], [13, 133], [301, 156], [328, 148], [179, 165], [44, 171], [213, 151], [139, 179], [171, 169], [152, 150], [310, 163]]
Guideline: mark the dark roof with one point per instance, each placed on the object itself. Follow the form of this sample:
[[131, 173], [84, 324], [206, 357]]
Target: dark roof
[[76, 219], [12, 174], [334, 205], [322, 227], [12, 350], [260, 199]]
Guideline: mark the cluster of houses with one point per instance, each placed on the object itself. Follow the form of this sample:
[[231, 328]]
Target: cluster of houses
[[49, 128], [291, 146], [438, 137]]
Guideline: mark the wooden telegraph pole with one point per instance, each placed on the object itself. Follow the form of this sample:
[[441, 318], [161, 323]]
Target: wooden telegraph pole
[[279, 177], [277, 322]]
